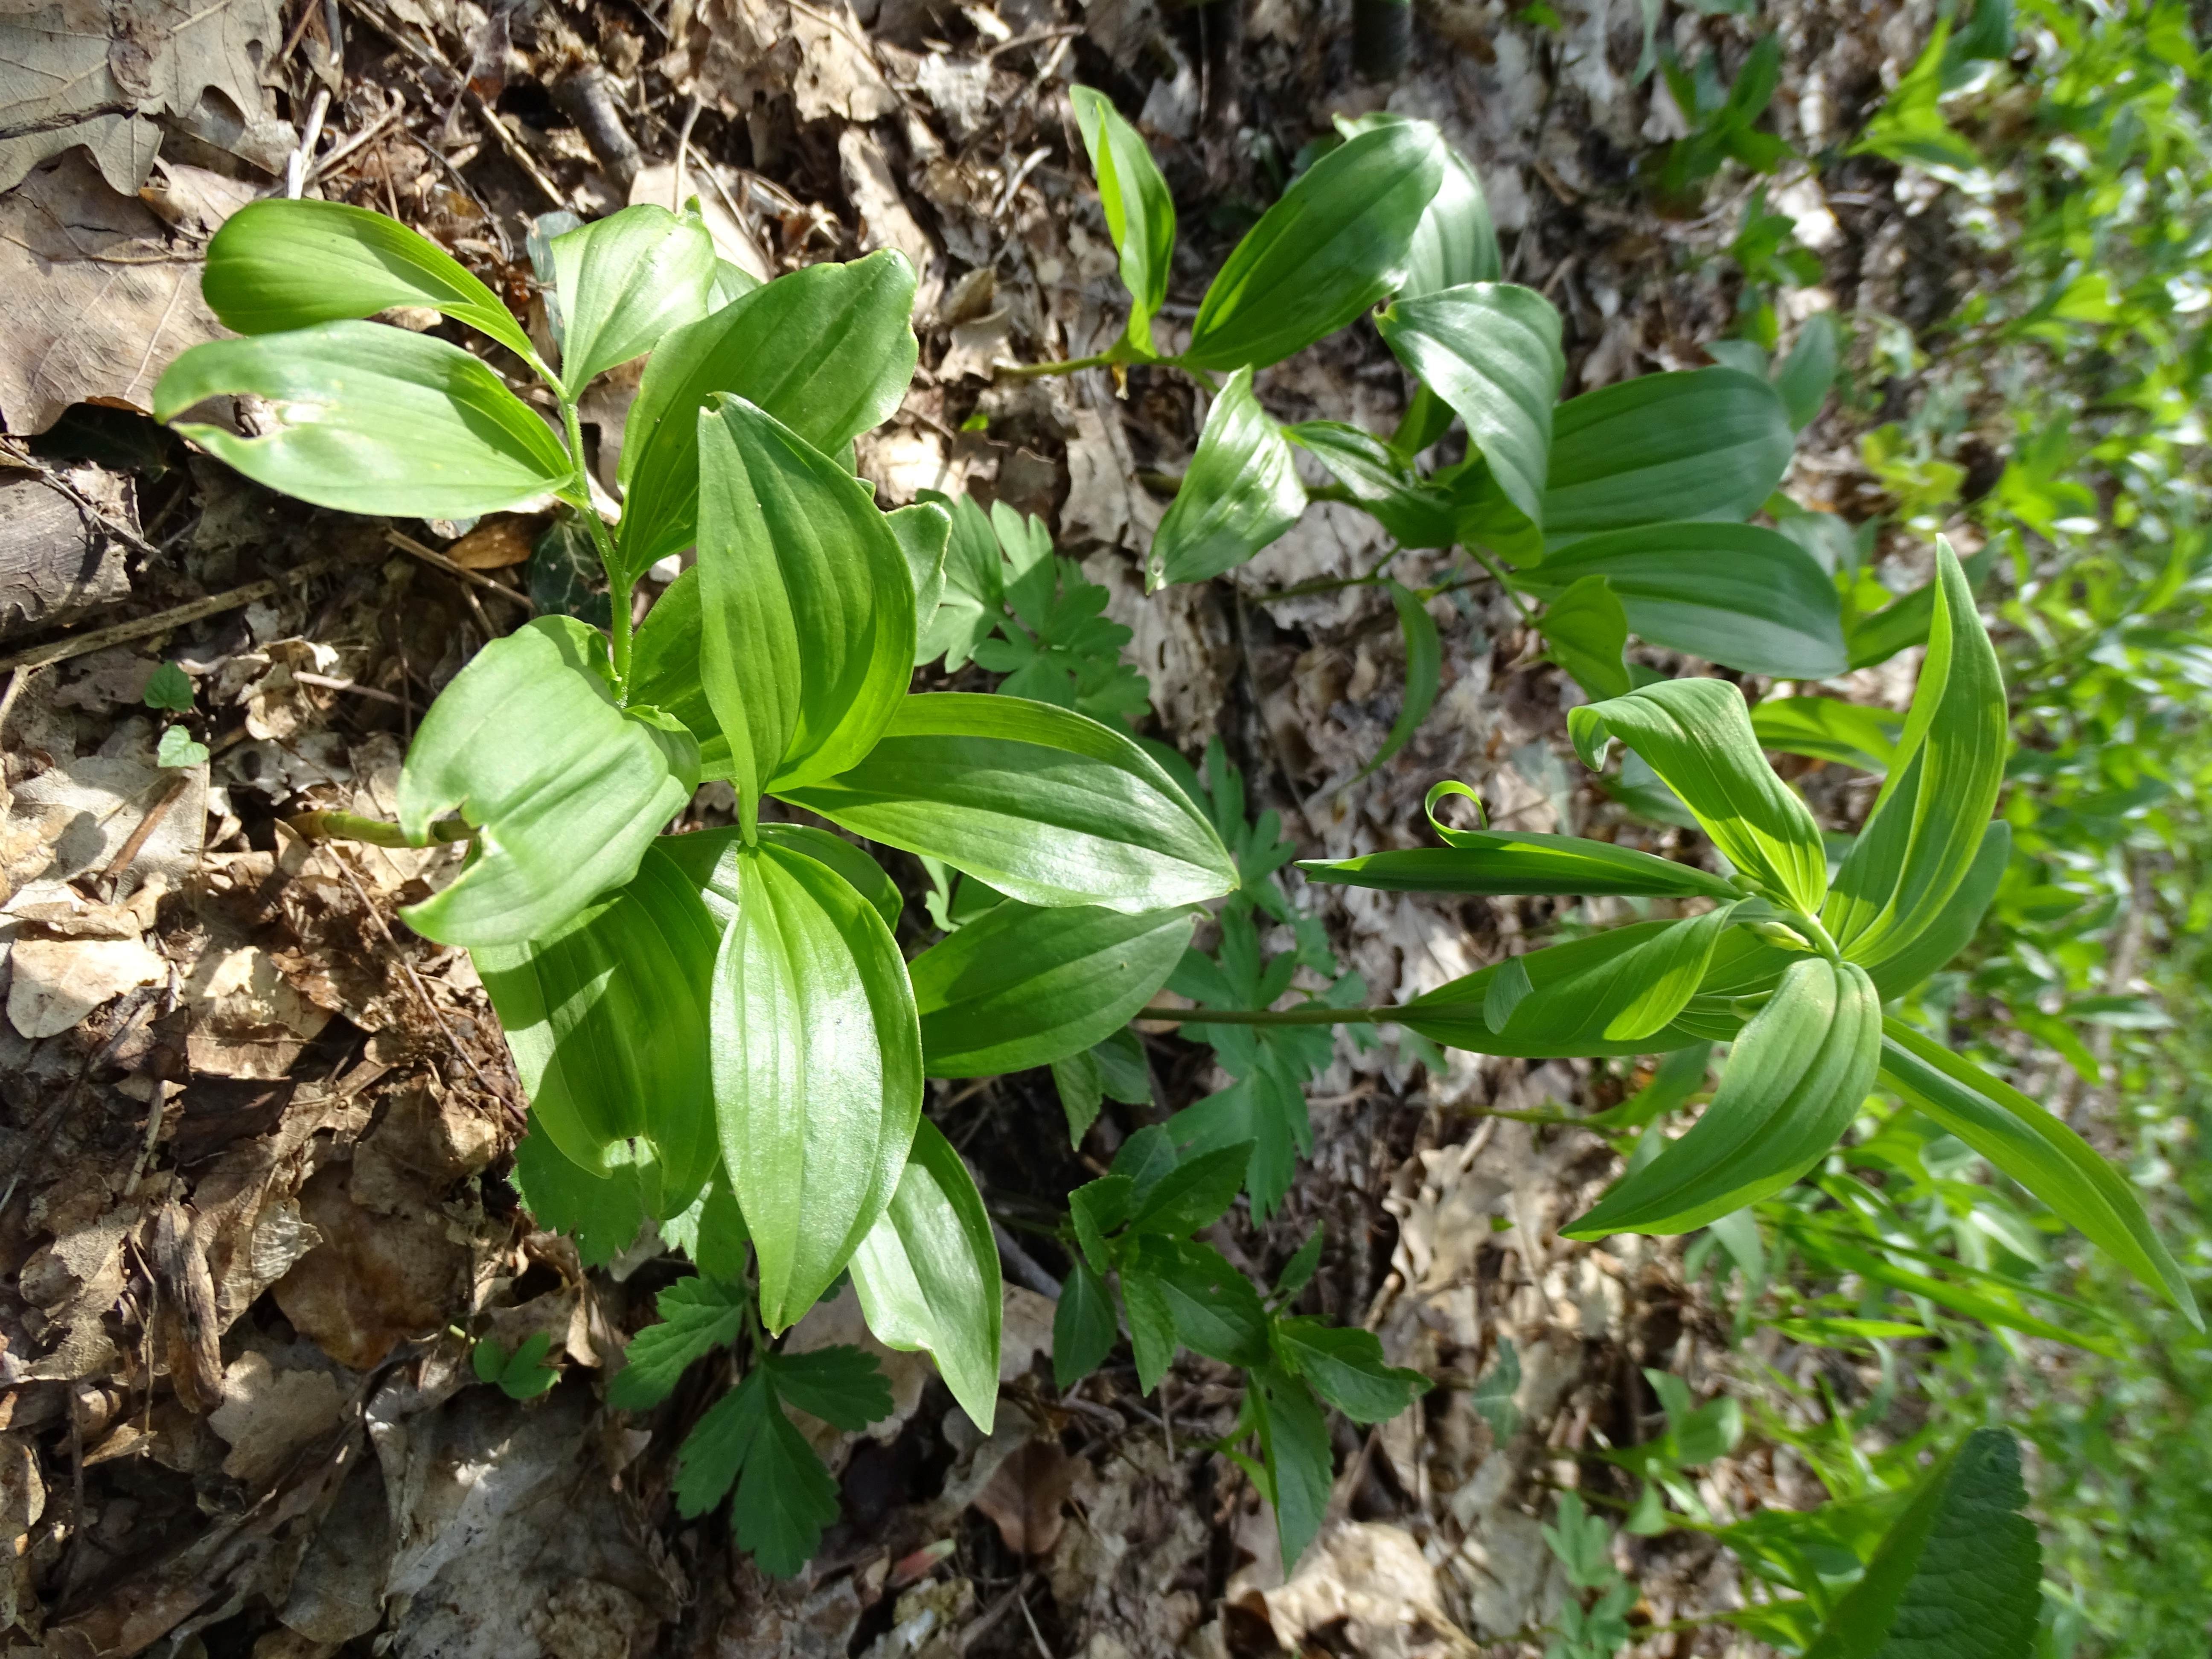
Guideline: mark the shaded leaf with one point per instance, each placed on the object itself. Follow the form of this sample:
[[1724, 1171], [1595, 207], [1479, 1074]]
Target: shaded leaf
[[1240, 493]]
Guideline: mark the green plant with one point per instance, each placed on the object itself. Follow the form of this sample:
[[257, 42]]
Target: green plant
[[522, 1375], [1582, 1544], [1723, 121]]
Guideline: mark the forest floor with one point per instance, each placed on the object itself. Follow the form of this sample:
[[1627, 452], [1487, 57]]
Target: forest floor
[[253, 1132]]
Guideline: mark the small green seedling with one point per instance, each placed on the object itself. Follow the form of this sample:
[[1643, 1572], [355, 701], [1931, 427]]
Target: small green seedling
[[522, 1375]]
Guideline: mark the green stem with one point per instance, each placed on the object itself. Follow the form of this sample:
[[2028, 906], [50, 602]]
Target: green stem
[[1811, 927], [1308, 1015], [618, 582], [377, 832], [1482, 557], [1116, 353]]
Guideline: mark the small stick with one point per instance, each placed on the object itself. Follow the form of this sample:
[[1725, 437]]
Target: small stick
[[154, 1113], [515, 152], [130, 850], [437, 561], [296, 167], [162, 622], [17, 682], [329, 683]]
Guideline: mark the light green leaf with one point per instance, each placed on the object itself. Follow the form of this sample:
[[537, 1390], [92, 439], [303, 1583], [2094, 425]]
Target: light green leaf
[[1021, 986], [277, 264], [2036, 1150], [817, 1066], [1953, 926], [1045, 804], [1732, 593], [1926, 826], [1346, 1368], [1576, 992], [1804, 377], [607, 1022], [1299, 1460], [566, 788], [625, 281], [1424, 673], [697, 1316], [1492, 351], [1588, 630], [924, 531], [1082, 1326], [806, 604], [828, 350], [928, 1274], [1709, 443], [1139, 211], [1828, 729], [1959, 1574], [712, 862], [1416, 514], [179, 748], [1509, 861], [1338, 242], [370, 419], [973, 597], [1796, 1079], [1696, 736], [1241, 492]]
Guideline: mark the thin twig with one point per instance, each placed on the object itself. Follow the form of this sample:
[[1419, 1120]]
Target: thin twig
[[61, 486], [296, 166], [515, 151], [155, 1109], [423, 991], [129, 851], [331, 683], [162, 622], [437, 561]]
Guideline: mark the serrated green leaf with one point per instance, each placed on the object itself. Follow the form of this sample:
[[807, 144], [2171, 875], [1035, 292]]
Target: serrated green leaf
[[1047, 806], [841, 1384], [927, 1273], [625, 281], [1587, 631], [1490, 350], [1214, 1308], [1195, 1194], [1022, 987], [1337, 242], [1796, 1079], [1697, 735], [721, 1443], [1146, 1158], [365, 418], [1082, 1326], [698, 1316], [773, 348], [1344, 1366], [1097, 1208], [1300, 1462], [277, 264], [1140, 212], [1239, 494], [567, 788], [816, 1069], [1151, 1324], [1709, 443], [604, 1213], [785, 1499]]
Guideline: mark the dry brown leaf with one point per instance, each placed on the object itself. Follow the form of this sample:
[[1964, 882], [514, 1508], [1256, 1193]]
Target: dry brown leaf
[[58, 981], [837, 74], [1024, 1497], [188, 1337], [374, 1281], [56, 561], [885, 219], [268, 1414], [501, 540]]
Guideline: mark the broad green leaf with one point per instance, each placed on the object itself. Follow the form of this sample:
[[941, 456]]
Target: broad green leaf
[[606, 1018], [1021, 986], [1575, 992], [2036, 1150], [816, 1065], [1804, 377], [1828, 729], [973, 597], [1455, 241], [1927, 823], [277, 266], [841, 1384], [1380, 480], [924, 531], [566, 788], [1960, 1572], [625, 281], [1950, 929], [1300, 1462], [1626, 997], [1424, 673], [1338, 242], [806, 604], [1080, 1085], [828, 350], [712, 1233], [369, 419], [1097, 1208], [604, 1213], [1587, 630], [1151, 1324], [711, 861], [1708, 443], [1696, 736], [1145, 1159], [1346, 1367], [1793, 1081], [1214, 1307], [1508, 862], [1492, 351], [1239, 494], [1732, 593], [784, 1498], [697, 1316], [721, 1442], [1140, 212], [1047, 806], [927, 1273], [1082, 1326], [1195, 1194]]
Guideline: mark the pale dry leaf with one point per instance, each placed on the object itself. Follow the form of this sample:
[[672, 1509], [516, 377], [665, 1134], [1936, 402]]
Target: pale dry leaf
[[1373, 1581], [247, 1019], [56, 561], [836, 75], [1024, 1496], [977, 349], [885, 219], [58, 981], [268, 1414]]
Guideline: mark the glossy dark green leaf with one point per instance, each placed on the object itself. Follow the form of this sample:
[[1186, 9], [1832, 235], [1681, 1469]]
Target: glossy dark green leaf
[[624, 281], [1081, 1088], [1082, 1326], [806, 601], [928, 1274], [1793, 1081], [1338, 242], [1195, 1194], [1492, 351], [1415, 515], [1145, 1159], [1300, 1463], [817, 1066], [606, 1018], [1240, 493], [1927, 823], [828, 350], [567, 789], [841, 1384], [1097, 1208], [277, 264], [1140, 212], [1696, 736], [1021, 986], [1732, 593], [1587, 631], [2036, 1150], [707, 1461], [1709, 443], [1151, 1324], [1045, 804], [369, 419], [785, 1499], [1455, 241], [603, 1213], [698, 1316], [1344, 1366], [1508, 861], [1828, 729]]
